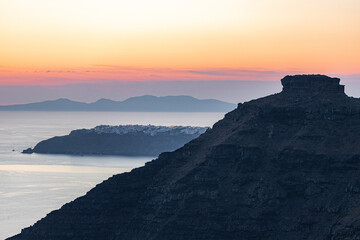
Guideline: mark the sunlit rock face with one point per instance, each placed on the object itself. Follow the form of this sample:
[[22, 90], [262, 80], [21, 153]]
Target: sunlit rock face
[[284, 166]]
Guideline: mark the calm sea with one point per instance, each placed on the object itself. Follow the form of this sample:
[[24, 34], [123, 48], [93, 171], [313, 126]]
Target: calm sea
[[33, 185]]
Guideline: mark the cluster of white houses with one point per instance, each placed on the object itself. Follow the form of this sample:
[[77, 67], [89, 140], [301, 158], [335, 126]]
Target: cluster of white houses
[[149, 129]]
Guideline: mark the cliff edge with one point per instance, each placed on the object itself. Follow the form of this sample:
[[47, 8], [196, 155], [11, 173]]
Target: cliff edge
[[284, 166]]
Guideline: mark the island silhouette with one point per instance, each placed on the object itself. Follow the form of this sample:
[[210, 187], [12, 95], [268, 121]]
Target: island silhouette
[[146, 103]]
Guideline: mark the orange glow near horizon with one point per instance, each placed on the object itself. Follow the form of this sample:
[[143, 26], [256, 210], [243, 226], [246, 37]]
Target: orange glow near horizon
[[63, 41]]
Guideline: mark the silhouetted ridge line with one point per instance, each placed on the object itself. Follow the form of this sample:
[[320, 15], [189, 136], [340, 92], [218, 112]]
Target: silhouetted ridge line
[[285, 166], [145, 103]]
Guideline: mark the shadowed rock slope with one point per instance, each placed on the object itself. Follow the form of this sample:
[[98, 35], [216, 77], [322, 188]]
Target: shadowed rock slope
[[285, 166]]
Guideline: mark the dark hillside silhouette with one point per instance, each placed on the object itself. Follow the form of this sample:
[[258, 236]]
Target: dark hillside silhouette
[[281, 167]]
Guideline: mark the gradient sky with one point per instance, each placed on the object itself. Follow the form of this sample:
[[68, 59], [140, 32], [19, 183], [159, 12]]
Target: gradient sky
[[55, 42]]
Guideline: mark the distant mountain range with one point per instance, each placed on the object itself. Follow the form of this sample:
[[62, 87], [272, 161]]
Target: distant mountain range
[[145, 103]]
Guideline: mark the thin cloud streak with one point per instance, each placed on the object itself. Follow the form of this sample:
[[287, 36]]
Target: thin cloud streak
[[99, 73]]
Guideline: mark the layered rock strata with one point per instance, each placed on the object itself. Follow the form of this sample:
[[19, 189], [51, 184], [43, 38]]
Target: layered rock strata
[[284, 166]]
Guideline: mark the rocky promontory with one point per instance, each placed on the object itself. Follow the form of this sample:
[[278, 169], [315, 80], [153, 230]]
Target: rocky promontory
[[281, 167], [128, 140]]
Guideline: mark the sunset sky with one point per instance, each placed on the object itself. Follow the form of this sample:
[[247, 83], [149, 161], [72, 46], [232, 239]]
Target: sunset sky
[[58, 42]]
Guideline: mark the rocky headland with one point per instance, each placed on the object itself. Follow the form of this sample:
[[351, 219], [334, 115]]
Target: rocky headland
[[280, 167], [126, 140]]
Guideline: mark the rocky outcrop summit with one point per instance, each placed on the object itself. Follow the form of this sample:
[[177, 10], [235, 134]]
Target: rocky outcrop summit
[[284, 166], [126, 140]]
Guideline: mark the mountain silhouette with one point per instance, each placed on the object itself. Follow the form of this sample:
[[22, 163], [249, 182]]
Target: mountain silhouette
[[280, 167], [145, 103]]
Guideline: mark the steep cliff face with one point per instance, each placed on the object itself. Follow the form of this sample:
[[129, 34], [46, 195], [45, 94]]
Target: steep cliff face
[[281, 167]]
